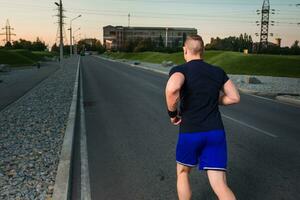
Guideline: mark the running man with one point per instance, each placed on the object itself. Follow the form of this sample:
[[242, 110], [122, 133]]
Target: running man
[[200, 88]]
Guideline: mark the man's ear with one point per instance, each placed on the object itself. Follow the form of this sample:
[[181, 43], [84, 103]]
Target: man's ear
[[184, 50]]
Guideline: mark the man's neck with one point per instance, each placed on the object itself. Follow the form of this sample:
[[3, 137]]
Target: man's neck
[[194, 58]]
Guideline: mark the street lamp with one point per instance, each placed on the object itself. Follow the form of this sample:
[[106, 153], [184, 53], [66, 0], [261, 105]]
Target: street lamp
[[71, 38], [74, 41]]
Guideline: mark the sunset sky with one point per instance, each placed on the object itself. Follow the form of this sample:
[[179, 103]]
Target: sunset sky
[[212, 18]]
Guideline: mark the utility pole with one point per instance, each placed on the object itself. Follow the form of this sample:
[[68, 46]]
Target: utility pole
[[8, 32], [75, 45], [128, 20], [71, 40], [61, 26], [265, 23], [264, 32]]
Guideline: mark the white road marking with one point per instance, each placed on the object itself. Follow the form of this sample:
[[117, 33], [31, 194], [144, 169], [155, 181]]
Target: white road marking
[[85, 174], [250, 126], [235, 120], [272, 100]]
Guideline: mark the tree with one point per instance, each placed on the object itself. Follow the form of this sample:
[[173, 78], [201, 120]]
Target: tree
[[295, 48], [38, 45], [130, 45], [8, 45], [232, 43], [54, 48], [161, 42], [91, 44], [144, 45], [295, 45]]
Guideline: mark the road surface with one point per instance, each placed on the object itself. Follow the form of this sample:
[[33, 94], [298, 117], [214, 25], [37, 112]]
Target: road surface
[[131, 144], [19, 82]]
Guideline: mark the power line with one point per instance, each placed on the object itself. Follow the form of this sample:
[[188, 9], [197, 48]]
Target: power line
[[265, 20], [8, 32]]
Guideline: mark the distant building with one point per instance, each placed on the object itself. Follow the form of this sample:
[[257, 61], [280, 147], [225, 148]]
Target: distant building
[[114, 37]]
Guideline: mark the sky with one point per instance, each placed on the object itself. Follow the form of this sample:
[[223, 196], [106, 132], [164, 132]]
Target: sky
[[36, 18]]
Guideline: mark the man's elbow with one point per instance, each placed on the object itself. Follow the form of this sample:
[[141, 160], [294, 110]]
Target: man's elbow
[[172, 91]]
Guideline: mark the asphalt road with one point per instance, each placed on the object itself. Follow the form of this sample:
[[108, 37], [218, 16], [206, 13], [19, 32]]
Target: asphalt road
[[18, 82], [131, 144]]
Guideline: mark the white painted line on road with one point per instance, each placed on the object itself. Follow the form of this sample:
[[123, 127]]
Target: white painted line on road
[[166, 73], [272, 100], [85, 174], [235, 120], [250, 126]]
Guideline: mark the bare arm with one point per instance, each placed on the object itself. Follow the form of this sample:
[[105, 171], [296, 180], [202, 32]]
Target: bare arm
[[173, 93], [231, 94]]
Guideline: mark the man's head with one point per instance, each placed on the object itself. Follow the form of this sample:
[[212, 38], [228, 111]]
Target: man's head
[[193, 48]]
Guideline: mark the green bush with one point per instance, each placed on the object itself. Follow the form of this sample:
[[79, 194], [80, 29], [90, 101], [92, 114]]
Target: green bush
[[231, 62]]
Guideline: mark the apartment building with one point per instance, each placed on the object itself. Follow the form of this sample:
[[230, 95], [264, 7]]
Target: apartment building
[[114, 37]]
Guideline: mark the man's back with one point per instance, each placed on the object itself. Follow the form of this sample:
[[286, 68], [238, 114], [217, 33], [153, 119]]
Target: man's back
[[201, 140], [199, 96]]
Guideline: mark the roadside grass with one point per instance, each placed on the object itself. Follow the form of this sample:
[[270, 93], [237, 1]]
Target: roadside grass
[[231, 62], [17, 58]]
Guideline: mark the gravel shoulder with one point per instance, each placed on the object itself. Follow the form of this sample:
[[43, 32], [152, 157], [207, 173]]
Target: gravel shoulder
[[31, 136]]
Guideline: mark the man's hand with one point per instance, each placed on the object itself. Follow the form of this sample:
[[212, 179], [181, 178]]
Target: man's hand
[[176, 121], [173, 94]]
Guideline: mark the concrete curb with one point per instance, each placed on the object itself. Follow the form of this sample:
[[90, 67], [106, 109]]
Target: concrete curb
[[136, 66], [62, 180], [247, 91], [85, 175], [289, 100]]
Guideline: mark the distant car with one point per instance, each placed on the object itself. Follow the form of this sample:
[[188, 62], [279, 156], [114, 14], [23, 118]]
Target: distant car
[[82, 54]]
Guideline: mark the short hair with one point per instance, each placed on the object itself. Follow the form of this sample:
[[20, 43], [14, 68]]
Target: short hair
[[195, 44]]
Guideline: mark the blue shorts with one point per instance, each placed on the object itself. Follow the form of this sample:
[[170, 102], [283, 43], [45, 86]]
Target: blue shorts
[[206, 149]]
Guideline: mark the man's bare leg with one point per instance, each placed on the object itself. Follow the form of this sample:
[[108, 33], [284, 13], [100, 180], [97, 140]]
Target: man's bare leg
[[183, 183], [217, 180]]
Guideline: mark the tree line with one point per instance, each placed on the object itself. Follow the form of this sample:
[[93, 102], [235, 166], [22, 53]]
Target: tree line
[[232, 43], [89, 44], [245, 42], [36, 45]]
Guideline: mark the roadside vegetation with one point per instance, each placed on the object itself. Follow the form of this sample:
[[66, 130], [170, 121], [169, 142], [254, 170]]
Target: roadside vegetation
[[231, 62], [22, 57], [23, 52]]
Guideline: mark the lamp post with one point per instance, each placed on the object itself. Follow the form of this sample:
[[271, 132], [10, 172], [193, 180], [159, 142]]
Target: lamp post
[[74, 41], [71, 38]]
